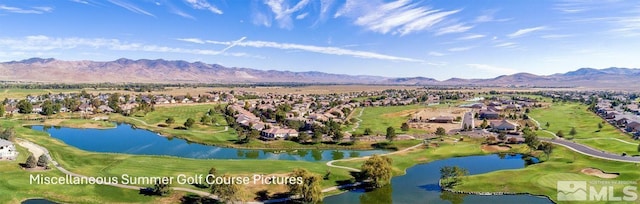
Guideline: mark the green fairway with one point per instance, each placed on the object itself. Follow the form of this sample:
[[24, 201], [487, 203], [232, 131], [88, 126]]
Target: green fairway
[[380, 117], [564, 116], [541, 179]]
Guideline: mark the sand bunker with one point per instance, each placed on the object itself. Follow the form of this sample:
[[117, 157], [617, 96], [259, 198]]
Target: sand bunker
[[495, 148], [598, 173]]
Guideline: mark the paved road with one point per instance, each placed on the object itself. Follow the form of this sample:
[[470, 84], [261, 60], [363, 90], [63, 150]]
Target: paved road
[[585, 150]]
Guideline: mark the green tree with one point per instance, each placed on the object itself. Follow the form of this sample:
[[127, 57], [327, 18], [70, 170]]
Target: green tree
[[228, 192], [560, 133], [161, 188], [404, 127], [43, 161], [338, 136], [170, 120], [547, 125], [368, 131], [532, 141], [547, 148], [638, 147], [8, 134], [378, 170], [47, 108], [502, 136], [210, 175], [310, 190], [31, 162], [451, 176], [189, 123], [2, 110], [205, 119], [303, 137], [573, 132], [484, 124], [441, 131], [391, 133], [600, 126], [25, 107]]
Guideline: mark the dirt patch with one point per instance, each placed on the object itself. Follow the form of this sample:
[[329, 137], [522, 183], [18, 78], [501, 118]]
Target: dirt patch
[[598, 173], [86, 124], [495, 148], [420, 118], [32, 148]]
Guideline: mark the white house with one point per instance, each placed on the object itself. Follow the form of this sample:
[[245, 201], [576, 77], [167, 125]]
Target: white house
[[7, 150], [275, 133]]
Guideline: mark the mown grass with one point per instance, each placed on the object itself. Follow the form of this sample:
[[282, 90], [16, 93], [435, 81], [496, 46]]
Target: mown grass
[[378, 118], [541, 179], [564, 116]]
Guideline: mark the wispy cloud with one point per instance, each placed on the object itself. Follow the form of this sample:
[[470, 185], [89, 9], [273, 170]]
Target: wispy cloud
[[33, 10], [309, 48], [45, 43], [436, 54], [80, 1], [457, 28], [283, 12], [302, 16], [493, 69], [488, 16], [507, 45], [471, 37], [525, 31], [459, 49], [130, 7], [203, 5], [556, 36], [399, 17]]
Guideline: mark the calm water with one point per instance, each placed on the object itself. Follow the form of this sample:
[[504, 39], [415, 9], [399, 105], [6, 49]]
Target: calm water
[[420, 184], [129, 140]]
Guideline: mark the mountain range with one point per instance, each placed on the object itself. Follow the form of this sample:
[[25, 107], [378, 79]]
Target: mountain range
[[168, 71]]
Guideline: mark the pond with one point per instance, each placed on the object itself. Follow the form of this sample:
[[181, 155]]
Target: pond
[[420, 184], [129, 140], [37, 201]]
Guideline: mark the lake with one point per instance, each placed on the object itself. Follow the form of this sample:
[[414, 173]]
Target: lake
[[420, 184], [129, 140]]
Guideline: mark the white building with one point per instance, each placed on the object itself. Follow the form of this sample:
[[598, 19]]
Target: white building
[[7, 150]]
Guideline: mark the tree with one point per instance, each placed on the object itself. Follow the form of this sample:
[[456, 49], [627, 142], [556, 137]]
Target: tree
[[228, 192], [547, 148], [189, 123], [367, 131], [303, 137], [404, 127], [532, 141], [502, 136], [205, 119], [547, 125], [441, 131], [212, 172], [8, 134], [337, 136], [638, 147], [31, 162], [560, 133], [484, 124], [161, 188], [43, 161], [452, 175], [25, 107], [170, 120], [573, 132], [600, 126], [2, 110], [310, 190], [391, 133], [377, 169]]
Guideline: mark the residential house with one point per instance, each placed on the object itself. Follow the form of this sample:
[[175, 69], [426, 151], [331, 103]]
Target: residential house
[[633, 126], [85, 108], [503, 125], [442, 119], [489, 115], [105, 109], [36, 109], [278, 133], [7, 150]]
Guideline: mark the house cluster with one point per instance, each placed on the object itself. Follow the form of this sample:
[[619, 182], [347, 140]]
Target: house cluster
[[97, 103], [627, 118], [7, 150], [494, 110]]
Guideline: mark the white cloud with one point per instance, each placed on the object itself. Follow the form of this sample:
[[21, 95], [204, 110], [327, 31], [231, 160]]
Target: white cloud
[[181, 13], [506, 45], [283, 12], [131, 7], [436, 54], [457, 28], [471, 37], [203, 5], [41, 43], [80, 1], [493, 69], [311, 48], [399, 17], [555, 36], [459, 49], [191, 40], [34, 10], [525, 31], [302, 16]]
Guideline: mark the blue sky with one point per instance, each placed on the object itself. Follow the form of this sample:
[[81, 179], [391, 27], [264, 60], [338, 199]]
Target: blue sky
[[431, 38]]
